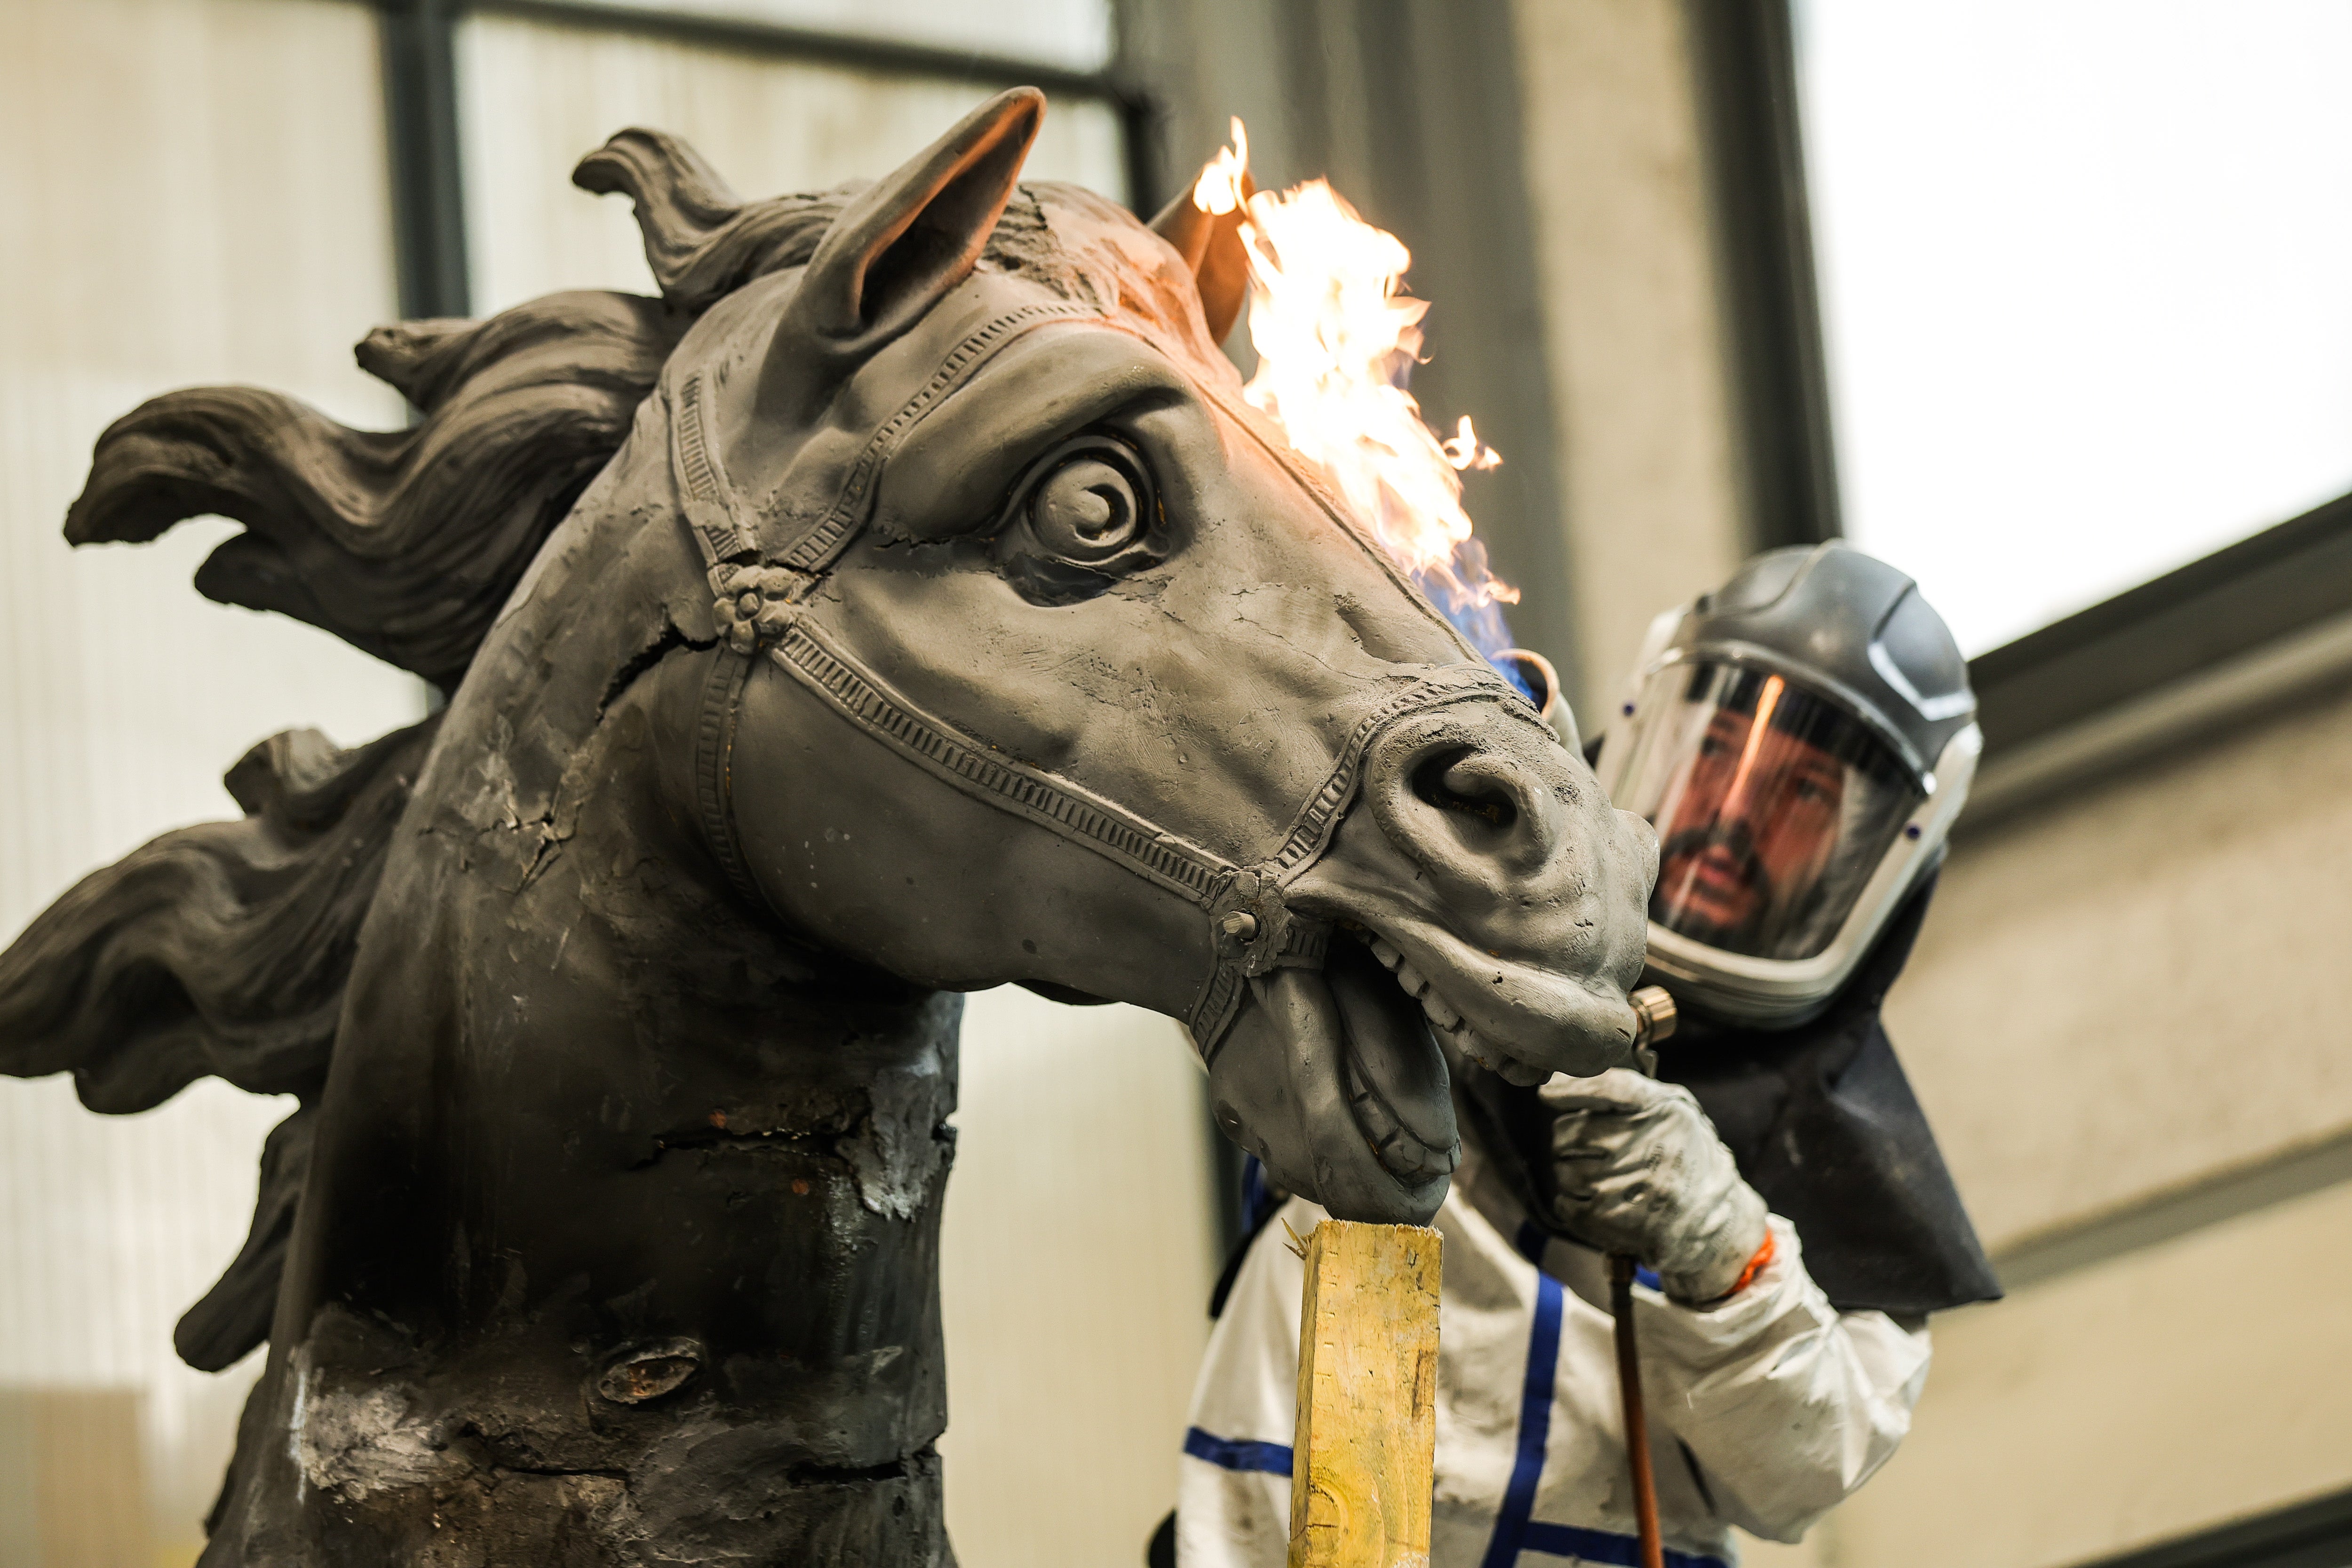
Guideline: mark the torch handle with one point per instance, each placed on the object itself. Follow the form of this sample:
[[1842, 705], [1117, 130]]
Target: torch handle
[[1637, 1425]]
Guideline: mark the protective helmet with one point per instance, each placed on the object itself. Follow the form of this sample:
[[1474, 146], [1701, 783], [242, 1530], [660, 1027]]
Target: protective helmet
[[1802, 738]]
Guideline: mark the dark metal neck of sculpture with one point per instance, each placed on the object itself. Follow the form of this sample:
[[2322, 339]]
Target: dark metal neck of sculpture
[[722, 1199]]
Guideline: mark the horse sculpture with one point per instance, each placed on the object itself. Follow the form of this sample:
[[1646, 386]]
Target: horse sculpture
[[904, 604]]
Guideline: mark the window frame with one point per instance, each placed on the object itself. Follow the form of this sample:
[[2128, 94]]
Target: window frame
[[1744, 55], [2314, 1534], [419, 44]]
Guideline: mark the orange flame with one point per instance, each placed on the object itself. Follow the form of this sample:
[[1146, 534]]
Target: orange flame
[[1463, 450], [1335, 341], [1218, 188]]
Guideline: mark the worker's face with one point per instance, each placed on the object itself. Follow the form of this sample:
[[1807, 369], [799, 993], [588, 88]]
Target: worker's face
[[1754, 826]]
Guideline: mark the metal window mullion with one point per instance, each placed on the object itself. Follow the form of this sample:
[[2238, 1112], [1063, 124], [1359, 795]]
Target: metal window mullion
[[856, 52], [419, 44]]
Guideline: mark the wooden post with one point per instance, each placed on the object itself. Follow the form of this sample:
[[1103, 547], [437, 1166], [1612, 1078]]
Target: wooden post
[[1365, 1451]]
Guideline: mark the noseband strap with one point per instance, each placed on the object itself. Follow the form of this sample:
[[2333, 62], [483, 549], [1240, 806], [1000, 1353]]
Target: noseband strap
[[759, 588]]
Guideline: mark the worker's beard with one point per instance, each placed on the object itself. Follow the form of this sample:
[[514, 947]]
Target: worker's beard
[[1677, 861]]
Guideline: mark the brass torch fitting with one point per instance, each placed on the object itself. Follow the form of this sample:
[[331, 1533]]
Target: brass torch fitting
[[1654, 1015]]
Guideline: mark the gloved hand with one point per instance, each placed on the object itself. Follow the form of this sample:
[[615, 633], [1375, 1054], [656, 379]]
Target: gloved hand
[[1640, 1171]]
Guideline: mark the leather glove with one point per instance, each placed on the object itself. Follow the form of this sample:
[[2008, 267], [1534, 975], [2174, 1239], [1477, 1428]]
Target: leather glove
[[1640, 1171]]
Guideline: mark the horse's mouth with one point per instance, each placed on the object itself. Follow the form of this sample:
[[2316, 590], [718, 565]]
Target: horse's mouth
[[1392, 1071], [1449, 1025], [1333, 1078], [1524, 1018], [1352, 1051], [1336, 1076], [1391, 1017], [1391, 1064]]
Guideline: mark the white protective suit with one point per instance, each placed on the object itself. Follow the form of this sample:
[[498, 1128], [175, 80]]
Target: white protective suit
[[1766, 1409]]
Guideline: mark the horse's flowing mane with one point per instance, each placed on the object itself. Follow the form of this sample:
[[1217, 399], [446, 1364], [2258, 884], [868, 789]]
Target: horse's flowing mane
[[224, 949], [221, 949], [407, 543]]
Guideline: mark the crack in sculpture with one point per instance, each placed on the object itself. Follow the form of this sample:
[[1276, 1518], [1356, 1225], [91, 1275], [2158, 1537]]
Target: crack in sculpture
[[622, 996]]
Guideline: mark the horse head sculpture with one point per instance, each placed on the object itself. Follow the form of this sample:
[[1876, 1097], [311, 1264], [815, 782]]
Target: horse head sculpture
[[905, 603]]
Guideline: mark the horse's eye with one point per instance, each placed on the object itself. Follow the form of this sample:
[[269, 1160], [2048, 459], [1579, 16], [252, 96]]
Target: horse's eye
[[1081, 518], [1088, 506]]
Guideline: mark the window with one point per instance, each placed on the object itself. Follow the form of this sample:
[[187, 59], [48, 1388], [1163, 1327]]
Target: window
[[537, 91], [2080, 266], [1071, 34]]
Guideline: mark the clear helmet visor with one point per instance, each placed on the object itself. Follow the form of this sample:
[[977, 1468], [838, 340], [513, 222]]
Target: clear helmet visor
[[1773, 807]]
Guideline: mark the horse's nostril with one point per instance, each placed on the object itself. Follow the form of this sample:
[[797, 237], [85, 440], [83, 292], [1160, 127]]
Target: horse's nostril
[[1443, 782]]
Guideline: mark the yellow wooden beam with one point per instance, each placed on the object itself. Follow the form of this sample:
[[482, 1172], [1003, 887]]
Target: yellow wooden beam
[[1367, 1439]]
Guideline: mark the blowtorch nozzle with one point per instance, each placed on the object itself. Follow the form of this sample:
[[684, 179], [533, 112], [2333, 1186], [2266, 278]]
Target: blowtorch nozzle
[[1654, 1015]]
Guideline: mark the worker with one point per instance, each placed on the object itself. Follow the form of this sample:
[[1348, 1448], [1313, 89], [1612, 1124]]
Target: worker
[[1802, 738]]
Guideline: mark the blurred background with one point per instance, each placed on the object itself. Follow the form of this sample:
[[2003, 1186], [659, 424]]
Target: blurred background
[[2044, 301]]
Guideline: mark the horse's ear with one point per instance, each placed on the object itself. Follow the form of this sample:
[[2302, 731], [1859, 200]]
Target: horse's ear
[[1210, 244], [905, 240]]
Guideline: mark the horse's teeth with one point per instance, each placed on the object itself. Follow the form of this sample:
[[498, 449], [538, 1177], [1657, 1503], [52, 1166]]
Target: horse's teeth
[[1434, 1005], [1390, 957], [1410, 978], [1510, 1069]]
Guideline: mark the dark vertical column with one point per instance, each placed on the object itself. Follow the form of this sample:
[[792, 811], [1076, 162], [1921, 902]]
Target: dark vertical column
[[1444, 171], [428, 204], [1143, 124], [1745, 55]]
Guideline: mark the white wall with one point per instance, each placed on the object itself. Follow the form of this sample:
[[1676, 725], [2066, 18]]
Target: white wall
[[2139, 987], [1076, 1263], [2172, 1389], [2123, 1003]]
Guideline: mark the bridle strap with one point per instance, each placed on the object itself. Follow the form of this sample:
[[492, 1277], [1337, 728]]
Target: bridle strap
[[1277, 938], [987, 774], [714, 759], [752, 587]]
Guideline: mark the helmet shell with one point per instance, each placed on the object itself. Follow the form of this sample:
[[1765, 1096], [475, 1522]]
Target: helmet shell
[[1850, 627]]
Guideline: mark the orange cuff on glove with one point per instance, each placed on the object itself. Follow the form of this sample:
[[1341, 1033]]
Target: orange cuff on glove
[[1755, 1265]]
